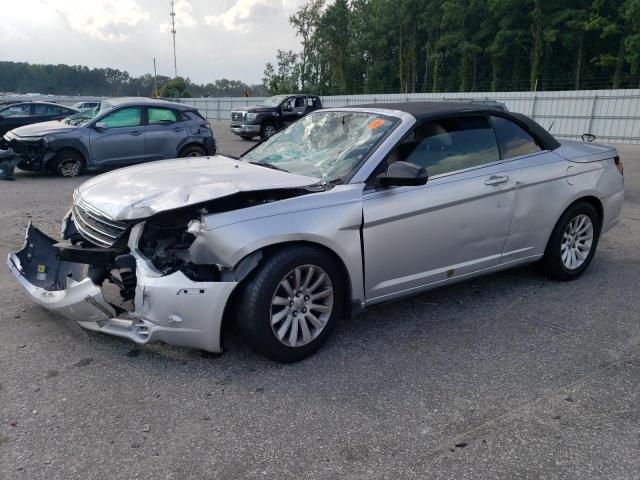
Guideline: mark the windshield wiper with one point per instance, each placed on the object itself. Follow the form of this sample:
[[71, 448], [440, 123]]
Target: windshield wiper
[[269, 165]]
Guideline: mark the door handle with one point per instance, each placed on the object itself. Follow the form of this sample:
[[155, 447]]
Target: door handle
[[136, 133], [496, 180], [176, 129]]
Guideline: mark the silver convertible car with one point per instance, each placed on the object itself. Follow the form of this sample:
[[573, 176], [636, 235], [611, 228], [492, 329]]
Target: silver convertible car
[[344, 209]]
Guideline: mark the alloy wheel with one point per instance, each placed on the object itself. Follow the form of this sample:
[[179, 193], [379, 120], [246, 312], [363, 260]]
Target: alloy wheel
[[577, 240], [301, 305], [269, 130], [69, 167]]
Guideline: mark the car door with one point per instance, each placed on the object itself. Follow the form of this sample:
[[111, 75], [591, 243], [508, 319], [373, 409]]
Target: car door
[[542, 189], [292, 109], [456, 224], [165, 131], [118, 137]]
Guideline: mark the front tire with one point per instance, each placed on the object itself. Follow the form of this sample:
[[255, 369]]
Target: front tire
[[291, 304], [267, 130], [68, 164], [573, 242]]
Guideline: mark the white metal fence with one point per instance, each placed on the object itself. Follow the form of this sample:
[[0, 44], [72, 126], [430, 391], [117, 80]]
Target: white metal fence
[[611, 115]]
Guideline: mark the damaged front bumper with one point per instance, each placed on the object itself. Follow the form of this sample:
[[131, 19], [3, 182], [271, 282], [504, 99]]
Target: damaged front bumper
[[168, 308]]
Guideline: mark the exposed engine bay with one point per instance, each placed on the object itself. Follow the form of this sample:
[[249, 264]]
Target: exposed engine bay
[[165, 241]]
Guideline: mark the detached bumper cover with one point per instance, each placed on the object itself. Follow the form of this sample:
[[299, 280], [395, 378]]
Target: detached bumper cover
[[172, 308], [8, 162]]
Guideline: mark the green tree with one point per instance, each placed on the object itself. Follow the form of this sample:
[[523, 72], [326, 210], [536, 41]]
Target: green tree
[[176, 88]]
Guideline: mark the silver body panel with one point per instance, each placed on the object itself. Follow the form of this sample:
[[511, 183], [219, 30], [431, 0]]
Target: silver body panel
[[391, 242]]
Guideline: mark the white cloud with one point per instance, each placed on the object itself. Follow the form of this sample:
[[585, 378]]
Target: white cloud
[[106, 20], [245, 14], [125, 34]]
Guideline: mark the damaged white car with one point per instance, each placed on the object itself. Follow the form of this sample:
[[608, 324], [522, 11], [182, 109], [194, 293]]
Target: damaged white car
[[325, 218]]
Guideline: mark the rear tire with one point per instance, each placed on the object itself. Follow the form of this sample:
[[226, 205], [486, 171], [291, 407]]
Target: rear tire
[[68, 163], [192, 151], [291, 304], [573, 242]]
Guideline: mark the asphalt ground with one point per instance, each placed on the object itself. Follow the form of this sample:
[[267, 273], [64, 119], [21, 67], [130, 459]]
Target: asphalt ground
[[509, 376]]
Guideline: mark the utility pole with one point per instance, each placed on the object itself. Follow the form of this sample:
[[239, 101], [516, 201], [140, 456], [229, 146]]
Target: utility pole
[[155, 80], [173, 32]]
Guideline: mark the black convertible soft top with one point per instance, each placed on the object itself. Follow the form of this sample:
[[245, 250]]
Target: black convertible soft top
[[434, 110]]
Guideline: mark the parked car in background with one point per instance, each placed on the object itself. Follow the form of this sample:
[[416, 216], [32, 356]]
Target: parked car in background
[[272, 114], [25, 113], [81, 106], [343, 210], [122, 131]]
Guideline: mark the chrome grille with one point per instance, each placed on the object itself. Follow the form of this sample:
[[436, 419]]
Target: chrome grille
[[236, 116], [95, 227]]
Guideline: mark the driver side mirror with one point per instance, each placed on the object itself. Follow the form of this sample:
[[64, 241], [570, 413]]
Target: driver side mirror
[[402, 174], [101, 126]]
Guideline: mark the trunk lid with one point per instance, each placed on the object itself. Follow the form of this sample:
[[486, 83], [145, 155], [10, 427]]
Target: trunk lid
[[583, 152]]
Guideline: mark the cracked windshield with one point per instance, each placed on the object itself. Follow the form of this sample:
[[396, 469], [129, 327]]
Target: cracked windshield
[[327, 145], [81, 118]]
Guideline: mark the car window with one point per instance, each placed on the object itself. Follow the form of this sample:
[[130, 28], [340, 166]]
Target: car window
[[53, 110], [159, 116], [288, 105], [449, 145], [126, 117], [512, 139], [16, 111], [39, 109]]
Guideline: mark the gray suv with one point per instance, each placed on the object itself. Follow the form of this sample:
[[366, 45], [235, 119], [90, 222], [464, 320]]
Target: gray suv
[[121, 131]]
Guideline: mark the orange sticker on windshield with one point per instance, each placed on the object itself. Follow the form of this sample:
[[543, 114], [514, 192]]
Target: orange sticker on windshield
[[376, 123]]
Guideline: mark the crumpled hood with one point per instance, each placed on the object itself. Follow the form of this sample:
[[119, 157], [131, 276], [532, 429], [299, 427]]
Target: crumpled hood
[[141, 191], [43, 128]]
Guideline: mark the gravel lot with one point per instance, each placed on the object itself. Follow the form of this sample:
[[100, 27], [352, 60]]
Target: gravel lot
[[509, 376]]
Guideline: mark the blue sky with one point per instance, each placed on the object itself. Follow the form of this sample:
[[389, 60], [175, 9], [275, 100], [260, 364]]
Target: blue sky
[[216, 38]]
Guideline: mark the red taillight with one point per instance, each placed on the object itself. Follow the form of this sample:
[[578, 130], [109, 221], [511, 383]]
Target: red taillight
[[619, 165]]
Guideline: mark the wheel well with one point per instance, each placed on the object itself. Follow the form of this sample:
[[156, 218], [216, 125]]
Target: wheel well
[[229, 315], [191, 144], [51, 162], [594, 202], [590, 199]]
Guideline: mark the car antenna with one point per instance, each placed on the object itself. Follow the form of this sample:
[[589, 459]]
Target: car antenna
[[551, 126]]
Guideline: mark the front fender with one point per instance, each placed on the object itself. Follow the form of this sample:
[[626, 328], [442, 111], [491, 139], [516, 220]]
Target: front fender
[[60, 144], [335, 227]]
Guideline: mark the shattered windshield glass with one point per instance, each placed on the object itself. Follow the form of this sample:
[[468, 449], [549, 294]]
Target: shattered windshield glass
[[327, 145], [81, 118]]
